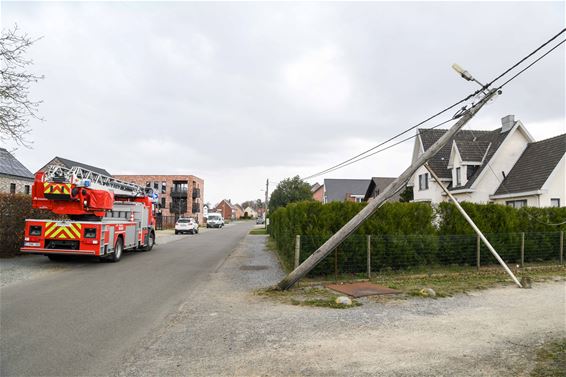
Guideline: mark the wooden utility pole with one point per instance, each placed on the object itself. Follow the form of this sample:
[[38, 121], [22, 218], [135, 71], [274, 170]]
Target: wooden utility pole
[[351, 226], [473, 225], [266, 196]]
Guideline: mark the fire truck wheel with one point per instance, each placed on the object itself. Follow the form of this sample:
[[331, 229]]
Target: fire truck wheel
[[150, 242], [118, 249]]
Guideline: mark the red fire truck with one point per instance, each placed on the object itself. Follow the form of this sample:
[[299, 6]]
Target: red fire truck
[[105, 216]]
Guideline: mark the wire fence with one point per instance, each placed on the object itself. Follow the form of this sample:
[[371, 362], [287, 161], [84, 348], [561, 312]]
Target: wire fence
[[368, 254]]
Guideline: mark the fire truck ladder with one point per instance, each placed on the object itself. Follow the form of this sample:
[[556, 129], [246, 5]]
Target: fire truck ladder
[[88, 178]]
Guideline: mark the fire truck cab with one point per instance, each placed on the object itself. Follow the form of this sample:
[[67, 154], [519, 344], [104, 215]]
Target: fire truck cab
[[104, 216]]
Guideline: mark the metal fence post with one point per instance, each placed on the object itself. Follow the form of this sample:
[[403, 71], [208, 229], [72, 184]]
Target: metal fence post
[[478, 246], [369, 255], [561, 247], [297, 250], [522, 249], [336, 264]]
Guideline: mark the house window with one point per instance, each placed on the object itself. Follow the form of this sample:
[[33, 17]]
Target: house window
[[458, 179], [162, 202], [12, 188], [517, 203], [26, 189], [471, 170], [423, 181], [155, 185], [555, 202], [163, 187]]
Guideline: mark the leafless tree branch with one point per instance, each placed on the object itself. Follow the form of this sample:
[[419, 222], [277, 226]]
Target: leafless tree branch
[[16, 108]]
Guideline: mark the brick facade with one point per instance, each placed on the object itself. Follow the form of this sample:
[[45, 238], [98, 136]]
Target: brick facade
[[318, 194], [226, 209], [22, 185], [179, 195]]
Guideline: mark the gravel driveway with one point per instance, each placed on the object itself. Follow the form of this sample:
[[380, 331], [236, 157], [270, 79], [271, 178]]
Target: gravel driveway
[[227, 330]]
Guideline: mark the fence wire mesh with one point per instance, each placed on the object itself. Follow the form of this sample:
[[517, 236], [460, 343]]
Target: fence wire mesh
[[406, 252]]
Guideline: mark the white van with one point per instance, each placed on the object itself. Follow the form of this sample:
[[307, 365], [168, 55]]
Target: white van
[[214, 220]]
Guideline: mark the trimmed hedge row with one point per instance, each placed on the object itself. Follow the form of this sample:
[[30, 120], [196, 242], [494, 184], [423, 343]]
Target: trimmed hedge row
[[413, 234], [14, 210]]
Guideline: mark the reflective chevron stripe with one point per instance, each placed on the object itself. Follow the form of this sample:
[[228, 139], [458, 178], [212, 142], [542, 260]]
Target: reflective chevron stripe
[[70, 232], [56, 188]]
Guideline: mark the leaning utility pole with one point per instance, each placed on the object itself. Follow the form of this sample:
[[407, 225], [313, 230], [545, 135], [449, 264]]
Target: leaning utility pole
[[374, 204], [266, 197], [473, 225]]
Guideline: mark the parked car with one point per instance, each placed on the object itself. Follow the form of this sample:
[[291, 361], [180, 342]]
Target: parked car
[[214, 220], [260, 220], [186, 225]]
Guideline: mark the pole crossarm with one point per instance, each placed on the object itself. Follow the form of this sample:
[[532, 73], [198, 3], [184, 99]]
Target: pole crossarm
[[351, 226]]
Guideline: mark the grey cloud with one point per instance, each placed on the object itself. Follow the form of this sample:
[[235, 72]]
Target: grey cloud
[[218, 86]]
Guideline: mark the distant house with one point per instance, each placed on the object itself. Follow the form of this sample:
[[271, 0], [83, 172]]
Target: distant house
[[376, 187], [250, 212], [239, 211], [341, 190], [318, 192], [60, 161], [503, 166], [226, 208], [14, 176]]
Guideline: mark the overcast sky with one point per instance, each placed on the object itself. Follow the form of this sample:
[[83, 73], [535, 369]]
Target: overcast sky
[[236, 93]]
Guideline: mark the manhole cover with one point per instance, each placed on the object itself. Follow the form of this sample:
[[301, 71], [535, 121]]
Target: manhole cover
[[253, 268], [362, 289]]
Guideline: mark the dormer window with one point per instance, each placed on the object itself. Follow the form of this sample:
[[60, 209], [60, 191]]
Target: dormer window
[[423, 181], [471, 170], [458, 177]]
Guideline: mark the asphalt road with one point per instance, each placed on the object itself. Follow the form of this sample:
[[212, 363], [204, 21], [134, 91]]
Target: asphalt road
[[82, 320]]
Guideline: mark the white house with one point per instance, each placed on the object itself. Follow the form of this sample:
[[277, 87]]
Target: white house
[[250, 212], [503, 166]]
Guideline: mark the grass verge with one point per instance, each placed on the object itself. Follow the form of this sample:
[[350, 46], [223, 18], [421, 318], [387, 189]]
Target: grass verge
[[448, 282], [258, 231], [551, 360], [316, 296]]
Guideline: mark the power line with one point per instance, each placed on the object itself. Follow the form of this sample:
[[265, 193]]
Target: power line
[[346, 162], [359, 157], [525, 58], [530, 65], [390, 146]]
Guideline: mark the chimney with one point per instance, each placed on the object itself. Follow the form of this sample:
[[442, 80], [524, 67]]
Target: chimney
[[507, 123]]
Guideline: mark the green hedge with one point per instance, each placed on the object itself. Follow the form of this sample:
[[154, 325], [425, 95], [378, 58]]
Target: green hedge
[[14, 210], [414, 234]]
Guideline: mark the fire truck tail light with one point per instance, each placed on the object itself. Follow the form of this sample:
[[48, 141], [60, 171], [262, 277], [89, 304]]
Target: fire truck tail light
[[35, 230], [26, 238], [90, 232]]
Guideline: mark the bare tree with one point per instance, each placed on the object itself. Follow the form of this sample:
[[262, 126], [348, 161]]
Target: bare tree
[[16, 108]]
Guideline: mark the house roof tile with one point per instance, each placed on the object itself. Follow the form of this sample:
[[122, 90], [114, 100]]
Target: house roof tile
[[9, 165], [534, 166], [336, 189], [378, 184], [469, 139], [472, 151]]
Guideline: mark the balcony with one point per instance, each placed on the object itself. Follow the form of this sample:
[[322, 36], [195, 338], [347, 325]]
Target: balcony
[[179, 192], [178, 207], [196, 207], [196, 193]]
